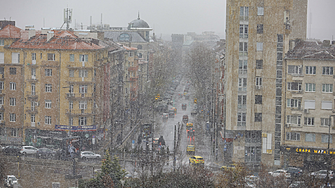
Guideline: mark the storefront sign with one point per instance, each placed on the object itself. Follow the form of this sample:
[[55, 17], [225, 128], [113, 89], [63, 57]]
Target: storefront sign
[[75, 128], [309, 150]]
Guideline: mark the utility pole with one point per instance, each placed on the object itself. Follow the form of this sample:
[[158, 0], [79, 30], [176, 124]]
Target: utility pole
[[174, 149]]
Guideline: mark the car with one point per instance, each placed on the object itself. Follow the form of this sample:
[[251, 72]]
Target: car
[[165, 116], [45, 153], [280, 172], [171, 114], [194, 112], [294, 171], [185, 118], [189, 124], [183, 106], [322, 174], [196, 160], [28, 150], [11, 150], [297, 184], [229, 167], [10, 181], [190, 150], [190, 132], [89, 155]]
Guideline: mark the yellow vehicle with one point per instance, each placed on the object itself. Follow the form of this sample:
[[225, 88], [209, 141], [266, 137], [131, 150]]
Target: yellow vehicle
[[197, 160], [189, 124], [229, 167], [190, 150]]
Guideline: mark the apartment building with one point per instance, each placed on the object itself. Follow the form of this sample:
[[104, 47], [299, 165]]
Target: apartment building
[[258, 33], [309, 109]]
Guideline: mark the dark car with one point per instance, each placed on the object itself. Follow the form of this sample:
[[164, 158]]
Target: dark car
[[171, 114], [184, 106], [45, 153], [294, 171], [11, 150]]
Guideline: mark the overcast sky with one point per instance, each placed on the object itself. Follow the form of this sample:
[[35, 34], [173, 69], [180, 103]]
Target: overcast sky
[[164, 16]]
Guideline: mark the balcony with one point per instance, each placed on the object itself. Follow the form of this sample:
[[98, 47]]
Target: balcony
[[2, 108], [1, 93], [32, 111], [2, 77], [32, 64], [79, 66], [32, 95], [79, 96], [79, 112], [32, 78]]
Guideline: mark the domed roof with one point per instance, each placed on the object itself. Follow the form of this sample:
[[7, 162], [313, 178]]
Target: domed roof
[[138, 23]]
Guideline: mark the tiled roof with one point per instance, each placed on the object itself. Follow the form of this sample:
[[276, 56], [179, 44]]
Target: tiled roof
[[62, 40], [10, 31], [312, 50]]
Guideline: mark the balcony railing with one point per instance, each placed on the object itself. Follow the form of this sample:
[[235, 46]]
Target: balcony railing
[[79, 95], [79, 112]]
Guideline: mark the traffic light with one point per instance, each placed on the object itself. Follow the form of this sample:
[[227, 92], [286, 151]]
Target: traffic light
[[195, 100]]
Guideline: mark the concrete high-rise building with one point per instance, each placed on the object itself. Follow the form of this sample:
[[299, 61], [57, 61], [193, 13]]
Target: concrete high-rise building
[[258, 34]]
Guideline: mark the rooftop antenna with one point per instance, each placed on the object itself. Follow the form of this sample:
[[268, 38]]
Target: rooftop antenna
[[101, 21], [91, 23], [67, 17]]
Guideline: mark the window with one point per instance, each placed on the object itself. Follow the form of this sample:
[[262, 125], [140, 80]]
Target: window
[[327, 70], [327, 88], [2, 70], [294, 69], [1, 116], [243, 49], [324, 138], [71, 121], [83, 89], [12, 70], [47, 120], [259, 46], [48, 88], [293, 136], [51, 57], [12, 86], [293, 103], [82, 121], [48, 72], [15, 57], [33, 73], [293, 119], [310, 69], [309, 121], [1, 100], [83, 73], [294, 86], [71, 73], [242, 66], [258, 81], [2, 57], [244, 13], [2, 42], [14, 132], [309, 137], [243, 31], [241, 119], [1, 85], [326, 105], [82, 105], [280, 38], [252, 154], [259, 64], [325, 122], [242, 101], [12, 101], [33, 56], [259, 28], [258, 117], [48, 104], [71, 57], [71, 105], [12, 117], [83, 58], [309, 104], [32, 118], [260, 11], [242, 84], [310, 87], [124, 37], [258, 99]]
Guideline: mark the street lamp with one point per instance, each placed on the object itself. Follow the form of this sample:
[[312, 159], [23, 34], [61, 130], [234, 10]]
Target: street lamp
[[328, 158], [70, 107]]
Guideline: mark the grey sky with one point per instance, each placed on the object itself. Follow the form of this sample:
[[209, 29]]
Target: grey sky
[[164, 16]]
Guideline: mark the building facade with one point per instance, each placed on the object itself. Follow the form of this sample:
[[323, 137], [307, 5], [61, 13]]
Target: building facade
[[258, 34]]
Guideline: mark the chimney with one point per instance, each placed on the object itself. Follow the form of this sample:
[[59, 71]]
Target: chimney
[[50, 34], [326, 43], [292, 44], [31, 31], [45, 30]]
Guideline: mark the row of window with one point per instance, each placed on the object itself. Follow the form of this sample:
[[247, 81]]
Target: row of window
[[309, 104], [309, 87], [310, 70], [309, 137], [309, 121]]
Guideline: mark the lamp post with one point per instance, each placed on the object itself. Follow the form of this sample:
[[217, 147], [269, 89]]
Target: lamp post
[[70, 107], [328, 156]]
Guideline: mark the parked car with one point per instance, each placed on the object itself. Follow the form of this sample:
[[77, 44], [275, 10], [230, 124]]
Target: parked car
[[190, 150], [28, 150], [171, 114], [89, 155], [322, 174], [11, 150], [294, 171], [185, 118], [194, 112], [165, 116], [229, 167], [280, 172], [183, 106], [297, 184], [196, 160], [45, 153], [10, 181]]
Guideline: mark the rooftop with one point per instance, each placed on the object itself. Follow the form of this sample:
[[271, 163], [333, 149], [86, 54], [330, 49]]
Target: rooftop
[[10, 31], [312, 50]]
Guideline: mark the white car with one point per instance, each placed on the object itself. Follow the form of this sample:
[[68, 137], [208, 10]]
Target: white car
[[28, 150], [10, 181], [89, 155], [322, 174], [280, 172]]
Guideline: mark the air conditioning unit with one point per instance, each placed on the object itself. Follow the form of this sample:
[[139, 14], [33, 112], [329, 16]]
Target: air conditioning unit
[[306, 111]]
